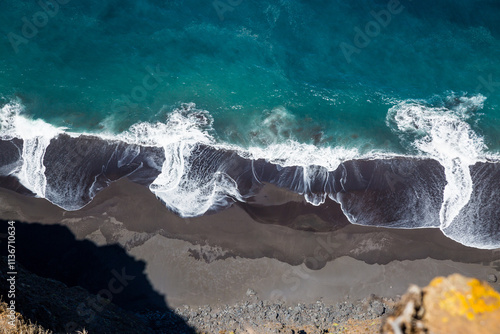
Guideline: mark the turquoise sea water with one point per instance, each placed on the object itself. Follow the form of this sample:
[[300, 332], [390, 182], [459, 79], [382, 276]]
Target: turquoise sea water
[[245, 63]]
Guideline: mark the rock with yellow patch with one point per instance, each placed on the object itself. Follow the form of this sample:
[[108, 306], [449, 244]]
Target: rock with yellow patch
[[455, 304], [461, 305]]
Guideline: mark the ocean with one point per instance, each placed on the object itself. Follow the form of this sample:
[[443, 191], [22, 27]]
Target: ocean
[[388, 108]]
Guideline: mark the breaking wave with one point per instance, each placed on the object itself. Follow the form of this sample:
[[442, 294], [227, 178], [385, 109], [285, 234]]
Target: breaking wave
[[445, 183]]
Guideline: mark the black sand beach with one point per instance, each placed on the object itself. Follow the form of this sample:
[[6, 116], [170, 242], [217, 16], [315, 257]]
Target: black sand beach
[[215, 259], [272, 252]]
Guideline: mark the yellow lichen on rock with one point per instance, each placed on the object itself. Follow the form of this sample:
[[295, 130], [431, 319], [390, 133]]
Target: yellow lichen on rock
[[483, 298], [455, 304], [478, 298], [436, 281], [462, 298]]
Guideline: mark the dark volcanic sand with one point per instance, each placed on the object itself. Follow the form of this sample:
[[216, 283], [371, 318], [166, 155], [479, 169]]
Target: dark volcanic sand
[[216, 258]]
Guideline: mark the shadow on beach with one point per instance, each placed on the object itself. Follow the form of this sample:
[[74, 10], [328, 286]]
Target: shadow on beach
[[108, 272]]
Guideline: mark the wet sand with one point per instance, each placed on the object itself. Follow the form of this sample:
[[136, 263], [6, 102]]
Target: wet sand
[[276, 245]]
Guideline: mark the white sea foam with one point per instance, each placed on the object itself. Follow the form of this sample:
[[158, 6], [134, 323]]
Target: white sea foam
[[276, 132], [442, 133], [193, 195], [309, 157], [36, 136], [185, 192], [292, 153]]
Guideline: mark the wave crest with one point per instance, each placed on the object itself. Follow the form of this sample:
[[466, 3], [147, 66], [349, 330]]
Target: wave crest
[[442, 133]]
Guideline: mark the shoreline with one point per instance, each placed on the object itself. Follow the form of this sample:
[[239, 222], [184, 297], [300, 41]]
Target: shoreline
[[216, 258], [397, 192]]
